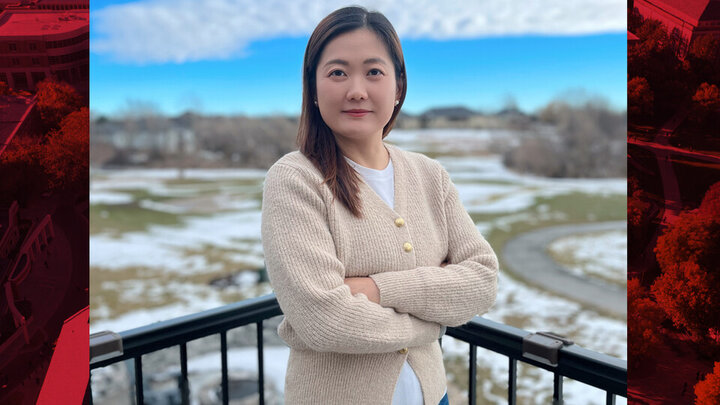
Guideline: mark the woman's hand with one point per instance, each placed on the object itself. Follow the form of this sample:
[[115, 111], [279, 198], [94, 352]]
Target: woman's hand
[[364, 285], [367, 286]]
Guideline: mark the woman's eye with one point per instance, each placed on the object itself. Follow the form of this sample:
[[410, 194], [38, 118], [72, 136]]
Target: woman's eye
[[337, 71], [377, 72]]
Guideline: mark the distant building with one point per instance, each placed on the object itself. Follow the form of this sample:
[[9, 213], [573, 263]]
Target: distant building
[[685, 20], [455, 117], [36, 43], [170, 140], [458, 117]]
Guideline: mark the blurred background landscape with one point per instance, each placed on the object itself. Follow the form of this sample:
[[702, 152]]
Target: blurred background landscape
[[175, 218]]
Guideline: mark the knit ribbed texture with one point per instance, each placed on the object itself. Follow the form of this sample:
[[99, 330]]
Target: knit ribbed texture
[[345, 349]]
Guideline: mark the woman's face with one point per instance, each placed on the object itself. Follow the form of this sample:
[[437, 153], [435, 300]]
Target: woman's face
[[355, 72]]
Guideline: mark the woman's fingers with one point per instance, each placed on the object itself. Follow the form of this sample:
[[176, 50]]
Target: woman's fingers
[[365, 286]]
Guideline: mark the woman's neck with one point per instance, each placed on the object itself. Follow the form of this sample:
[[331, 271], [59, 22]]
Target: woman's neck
[[371, 155]]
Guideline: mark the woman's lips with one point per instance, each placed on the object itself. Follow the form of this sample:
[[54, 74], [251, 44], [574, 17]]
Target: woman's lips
[[356, 113]]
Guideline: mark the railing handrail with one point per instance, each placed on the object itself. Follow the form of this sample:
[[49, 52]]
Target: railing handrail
[[589, 367], [593, 368], [164, 334]]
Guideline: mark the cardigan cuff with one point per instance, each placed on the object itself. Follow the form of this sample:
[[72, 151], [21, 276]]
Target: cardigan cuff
[[394, 287]]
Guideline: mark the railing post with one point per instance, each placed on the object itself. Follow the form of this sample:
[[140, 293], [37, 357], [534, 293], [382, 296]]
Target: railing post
[[557, 389], [184, 388], [610, 398], [261, 367], [223, 356], [139, 394], [473, 371], [512, 381], [89, 390]]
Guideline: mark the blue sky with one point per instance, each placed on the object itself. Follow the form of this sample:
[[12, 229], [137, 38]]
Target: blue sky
[[205, 62]]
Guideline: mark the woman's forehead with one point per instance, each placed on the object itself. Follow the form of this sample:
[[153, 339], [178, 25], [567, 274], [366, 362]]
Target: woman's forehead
[[355, 47]]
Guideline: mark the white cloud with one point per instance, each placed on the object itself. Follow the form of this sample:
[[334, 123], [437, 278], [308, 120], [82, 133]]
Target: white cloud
[[160, 31]]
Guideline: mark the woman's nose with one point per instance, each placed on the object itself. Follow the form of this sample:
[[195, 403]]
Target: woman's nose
[[357, 89]]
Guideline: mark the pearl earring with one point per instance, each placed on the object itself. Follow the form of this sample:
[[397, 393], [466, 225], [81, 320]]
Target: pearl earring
[[315, 103], [397, 102]]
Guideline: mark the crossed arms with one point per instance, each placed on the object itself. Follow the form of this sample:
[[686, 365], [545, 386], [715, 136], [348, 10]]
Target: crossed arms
[[413, 305]]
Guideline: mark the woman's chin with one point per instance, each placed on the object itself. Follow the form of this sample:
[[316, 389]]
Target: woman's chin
[[355, 132]]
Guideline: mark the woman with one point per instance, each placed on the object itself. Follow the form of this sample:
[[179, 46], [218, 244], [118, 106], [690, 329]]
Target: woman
[[367, 247]]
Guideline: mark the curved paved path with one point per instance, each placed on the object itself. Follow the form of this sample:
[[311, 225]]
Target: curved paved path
[[526, 256]]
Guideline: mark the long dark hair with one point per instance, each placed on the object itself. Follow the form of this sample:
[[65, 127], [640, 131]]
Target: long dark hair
[[315, 139]]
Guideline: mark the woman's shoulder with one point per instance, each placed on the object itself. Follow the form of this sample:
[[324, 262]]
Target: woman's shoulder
[[294, 158], [293, 173], [296, 162]]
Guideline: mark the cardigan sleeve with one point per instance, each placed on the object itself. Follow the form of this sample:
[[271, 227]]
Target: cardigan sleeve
[[308, 278], [454, 294]]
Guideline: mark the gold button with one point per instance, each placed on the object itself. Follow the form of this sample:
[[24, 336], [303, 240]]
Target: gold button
[[407, 246], [399, 222], [403, 350]]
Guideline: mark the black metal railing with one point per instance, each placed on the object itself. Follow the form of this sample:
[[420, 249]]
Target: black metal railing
[[596, 369]]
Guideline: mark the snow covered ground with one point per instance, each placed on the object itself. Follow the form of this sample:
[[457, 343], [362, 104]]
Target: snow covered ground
[[219, 212], [597, 255], [164, 247]]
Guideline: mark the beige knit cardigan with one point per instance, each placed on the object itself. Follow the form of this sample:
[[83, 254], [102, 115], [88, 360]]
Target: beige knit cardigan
[[345, 349]]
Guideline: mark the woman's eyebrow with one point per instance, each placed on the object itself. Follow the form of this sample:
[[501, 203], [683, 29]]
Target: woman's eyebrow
[[346, 63]]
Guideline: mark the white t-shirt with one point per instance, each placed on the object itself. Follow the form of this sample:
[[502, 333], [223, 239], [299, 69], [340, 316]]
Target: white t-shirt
[[382, 181], [407, 390]]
